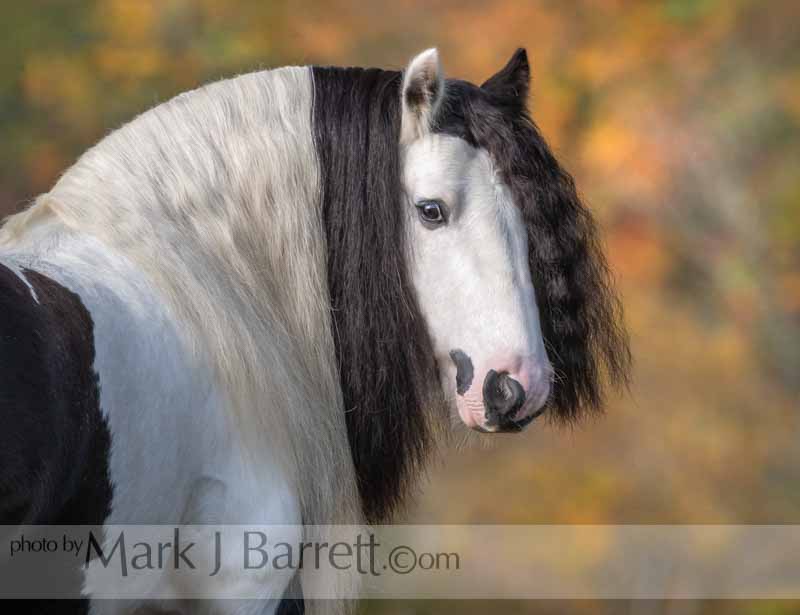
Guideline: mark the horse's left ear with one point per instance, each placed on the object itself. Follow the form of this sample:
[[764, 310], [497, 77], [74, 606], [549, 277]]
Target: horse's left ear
[[423, 88], [513, 80]]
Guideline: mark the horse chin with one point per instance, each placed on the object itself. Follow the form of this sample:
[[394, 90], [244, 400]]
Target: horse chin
[[472, 413]]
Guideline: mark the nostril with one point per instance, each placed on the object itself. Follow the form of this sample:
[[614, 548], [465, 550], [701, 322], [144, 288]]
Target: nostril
[[502, 395], [507, 385], [514, 393]]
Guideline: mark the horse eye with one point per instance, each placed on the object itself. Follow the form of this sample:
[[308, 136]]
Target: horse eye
[[431, 212]]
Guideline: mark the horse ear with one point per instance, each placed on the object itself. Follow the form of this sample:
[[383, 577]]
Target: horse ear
[[423, 88], [513, 80]]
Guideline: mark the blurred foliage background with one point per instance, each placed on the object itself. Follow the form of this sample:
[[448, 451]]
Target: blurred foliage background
[[680, 120]]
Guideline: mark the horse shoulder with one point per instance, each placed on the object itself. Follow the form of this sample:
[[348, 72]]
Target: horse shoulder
[[172, 454]]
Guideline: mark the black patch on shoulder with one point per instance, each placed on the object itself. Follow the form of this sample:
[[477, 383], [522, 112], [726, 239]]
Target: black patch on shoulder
[[385, 359], [55, 443], [580, 314]]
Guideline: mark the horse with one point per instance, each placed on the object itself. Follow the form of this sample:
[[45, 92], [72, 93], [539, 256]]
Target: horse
[[263, 300]]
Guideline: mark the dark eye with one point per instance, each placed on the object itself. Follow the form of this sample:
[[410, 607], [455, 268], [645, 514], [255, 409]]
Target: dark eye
[[431, 212]]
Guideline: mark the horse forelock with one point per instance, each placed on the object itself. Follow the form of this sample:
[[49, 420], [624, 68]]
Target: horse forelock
[[580, 312]]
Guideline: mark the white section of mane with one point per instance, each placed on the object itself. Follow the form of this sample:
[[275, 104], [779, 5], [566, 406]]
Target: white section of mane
[[214, 197]]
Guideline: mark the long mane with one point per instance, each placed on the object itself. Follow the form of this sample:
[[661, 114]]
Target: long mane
[[214, 197], [581, 315], [385, 358]]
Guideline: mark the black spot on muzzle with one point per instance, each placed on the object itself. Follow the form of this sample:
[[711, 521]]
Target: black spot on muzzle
[[464, 371]]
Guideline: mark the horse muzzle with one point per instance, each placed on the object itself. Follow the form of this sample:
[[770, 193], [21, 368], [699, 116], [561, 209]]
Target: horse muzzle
[[508, 400]]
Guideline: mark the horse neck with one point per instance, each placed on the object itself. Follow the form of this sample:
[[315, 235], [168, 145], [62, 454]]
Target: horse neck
[[218, 184], [216, 196]]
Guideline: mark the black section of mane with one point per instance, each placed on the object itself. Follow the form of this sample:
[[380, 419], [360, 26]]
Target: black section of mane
[[581, 316], [385, 359]]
